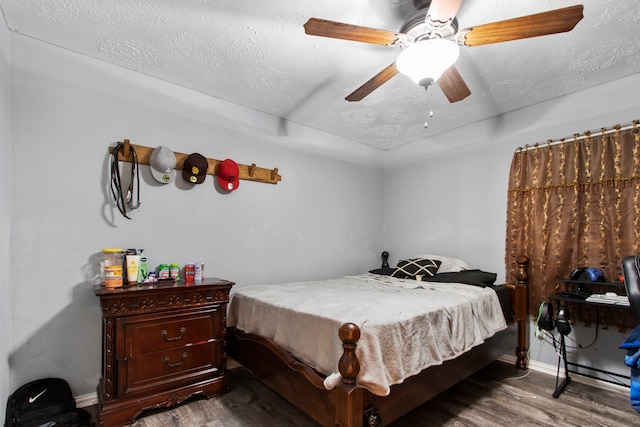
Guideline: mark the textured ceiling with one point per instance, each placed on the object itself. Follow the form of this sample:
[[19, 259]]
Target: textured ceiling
[[255, 53]]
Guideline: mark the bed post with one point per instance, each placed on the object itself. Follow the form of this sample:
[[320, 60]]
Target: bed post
[[349, 398], [349, 365], [522, 311]]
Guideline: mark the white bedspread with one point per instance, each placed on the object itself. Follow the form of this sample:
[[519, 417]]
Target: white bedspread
[[406, 326]]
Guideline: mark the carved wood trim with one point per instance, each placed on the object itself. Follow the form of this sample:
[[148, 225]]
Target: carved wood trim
[[124, 303], [109, 361]]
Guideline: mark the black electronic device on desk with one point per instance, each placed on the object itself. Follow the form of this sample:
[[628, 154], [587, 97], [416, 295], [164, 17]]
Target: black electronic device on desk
[[611, 297], [587, 282], [580, 279]]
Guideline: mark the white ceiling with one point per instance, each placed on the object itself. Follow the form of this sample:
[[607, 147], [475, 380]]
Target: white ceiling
[[255, 53]]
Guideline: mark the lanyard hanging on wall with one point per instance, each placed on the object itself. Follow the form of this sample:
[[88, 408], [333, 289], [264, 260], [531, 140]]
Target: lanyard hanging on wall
[[124, 201]]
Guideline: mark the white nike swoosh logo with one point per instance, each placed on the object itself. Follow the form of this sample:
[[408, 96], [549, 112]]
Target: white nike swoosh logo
[[33, 399]]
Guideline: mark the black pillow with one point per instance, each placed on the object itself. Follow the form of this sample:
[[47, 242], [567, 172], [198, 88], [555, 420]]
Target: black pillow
[[410, 268], [469, 277]]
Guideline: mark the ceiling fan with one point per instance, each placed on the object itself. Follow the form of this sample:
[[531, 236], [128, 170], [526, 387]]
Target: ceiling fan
[[430, 42]]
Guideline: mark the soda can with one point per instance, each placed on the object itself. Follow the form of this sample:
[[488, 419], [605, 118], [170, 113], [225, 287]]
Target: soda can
[[198, 273], [189, 273]]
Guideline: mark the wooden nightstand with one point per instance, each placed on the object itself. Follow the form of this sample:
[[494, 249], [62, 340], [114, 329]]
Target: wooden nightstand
[[163, 342]]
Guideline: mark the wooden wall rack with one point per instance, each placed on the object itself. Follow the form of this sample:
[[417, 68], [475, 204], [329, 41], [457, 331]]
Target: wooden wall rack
[[247, 172]]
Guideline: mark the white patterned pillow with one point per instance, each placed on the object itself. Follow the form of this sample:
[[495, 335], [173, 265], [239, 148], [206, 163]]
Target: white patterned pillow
[[410, 268], [449, 264]]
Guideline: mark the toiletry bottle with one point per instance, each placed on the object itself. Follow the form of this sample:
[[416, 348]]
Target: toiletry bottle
[[143, 270]]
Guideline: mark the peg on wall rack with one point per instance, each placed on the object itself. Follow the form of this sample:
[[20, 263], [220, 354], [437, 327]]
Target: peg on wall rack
[[250, 173], [126, 149]]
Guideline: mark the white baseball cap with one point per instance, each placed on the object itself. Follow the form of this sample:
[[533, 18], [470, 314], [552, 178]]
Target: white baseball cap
[[163, 162]]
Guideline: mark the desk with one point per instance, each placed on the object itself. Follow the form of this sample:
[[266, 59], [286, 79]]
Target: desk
[[562, 299], [575, 291]]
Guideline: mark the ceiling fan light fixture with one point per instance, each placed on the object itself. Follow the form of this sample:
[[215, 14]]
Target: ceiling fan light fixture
[[426, 60]]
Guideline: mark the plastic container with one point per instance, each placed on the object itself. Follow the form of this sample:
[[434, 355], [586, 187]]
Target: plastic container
[[163, 272], [112, 267], [133, 266], [143, 271], [174, 271]]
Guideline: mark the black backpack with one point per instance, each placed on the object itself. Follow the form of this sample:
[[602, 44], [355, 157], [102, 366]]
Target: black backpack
[[45, 402]]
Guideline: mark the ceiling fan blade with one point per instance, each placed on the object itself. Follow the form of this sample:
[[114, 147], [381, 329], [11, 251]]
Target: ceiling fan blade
[[453, 85], [442, 12], [374, 83], [540, 24], [339, 30]]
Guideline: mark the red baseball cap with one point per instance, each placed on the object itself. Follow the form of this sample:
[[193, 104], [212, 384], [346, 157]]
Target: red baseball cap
[[228, 175]]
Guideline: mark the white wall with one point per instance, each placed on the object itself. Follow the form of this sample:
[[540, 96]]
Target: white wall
[[455, 204], [5, 208], [326, 218], [322, 220]]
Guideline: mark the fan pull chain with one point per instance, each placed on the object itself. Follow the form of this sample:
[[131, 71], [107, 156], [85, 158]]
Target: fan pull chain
[[430, 112]]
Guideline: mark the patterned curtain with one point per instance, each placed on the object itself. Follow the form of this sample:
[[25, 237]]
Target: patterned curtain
[[576, 203]]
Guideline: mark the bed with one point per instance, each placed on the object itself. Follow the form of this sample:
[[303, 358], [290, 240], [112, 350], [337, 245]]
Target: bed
[[321, 347]]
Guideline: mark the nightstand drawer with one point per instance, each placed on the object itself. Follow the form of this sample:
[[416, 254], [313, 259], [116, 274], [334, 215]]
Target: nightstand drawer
[[171, 366], [147, 335]]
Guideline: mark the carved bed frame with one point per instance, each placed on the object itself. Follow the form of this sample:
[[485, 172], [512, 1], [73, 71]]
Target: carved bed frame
[[349, 405]]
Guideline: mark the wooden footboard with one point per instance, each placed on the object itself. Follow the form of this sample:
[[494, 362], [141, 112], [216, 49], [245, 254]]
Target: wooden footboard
[[346, 405]]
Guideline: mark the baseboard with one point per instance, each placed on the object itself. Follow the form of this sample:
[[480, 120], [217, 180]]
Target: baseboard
[[553, 370], [86, 400], [92, 398]]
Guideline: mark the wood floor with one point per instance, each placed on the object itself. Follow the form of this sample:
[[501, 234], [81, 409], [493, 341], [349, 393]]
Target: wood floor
[[498, 395]]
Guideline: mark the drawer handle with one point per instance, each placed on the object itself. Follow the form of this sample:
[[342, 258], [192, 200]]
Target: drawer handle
[[164, 334], [173, 365]]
